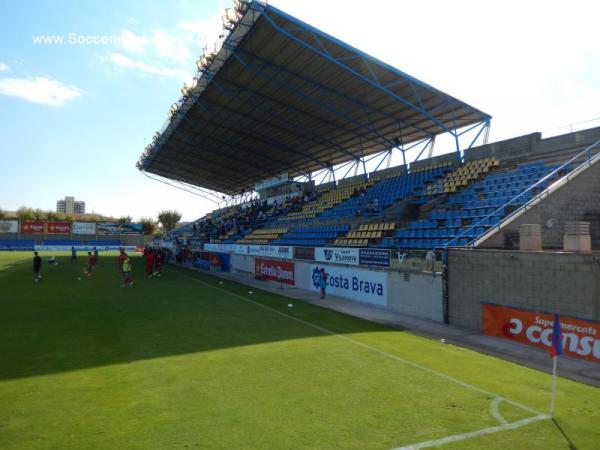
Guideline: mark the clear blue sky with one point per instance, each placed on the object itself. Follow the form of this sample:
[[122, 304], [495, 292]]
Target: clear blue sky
[[74, 117]]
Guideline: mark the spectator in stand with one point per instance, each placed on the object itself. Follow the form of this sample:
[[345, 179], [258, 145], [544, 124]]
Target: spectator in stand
[[376, 205]]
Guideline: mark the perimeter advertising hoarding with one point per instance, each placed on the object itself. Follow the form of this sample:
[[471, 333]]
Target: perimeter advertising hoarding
[[118, 228], [305, 253], [84, 248], [62, 227], [84, 228], [368, 286], [275, 270], [581, 338], [9, 226], [271, 251], [379, 257], [337, 255], [33, 227], [238, 249]]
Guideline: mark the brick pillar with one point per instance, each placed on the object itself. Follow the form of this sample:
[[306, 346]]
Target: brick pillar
[[530, 237], [577, 237]]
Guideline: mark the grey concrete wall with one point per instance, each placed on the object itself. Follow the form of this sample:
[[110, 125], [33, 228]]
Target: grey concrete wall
[[532, 146], [565, 283], [242, 263], [413, 293], [416, 294], [577, 200]]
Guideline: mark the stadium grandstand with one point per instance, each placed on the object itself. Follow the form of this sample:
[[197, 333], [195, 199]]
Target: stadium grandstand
[[285, 131]]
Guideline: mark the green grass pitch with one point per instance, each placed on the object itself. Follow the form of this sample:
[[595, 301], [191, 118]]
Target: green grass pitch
[[184, 362]]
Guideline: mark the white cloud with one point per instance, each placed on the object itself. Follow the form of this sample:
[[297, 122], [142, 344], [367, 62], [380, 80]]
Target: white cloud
[[171, 46], [133, 42], [123, 61], [4, 67], [41, 90], [203, 30]]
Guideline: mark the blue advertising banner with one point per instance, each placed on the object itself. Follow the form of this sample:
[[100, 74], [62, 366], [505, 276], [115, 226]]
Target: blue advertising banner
[[379, 257]]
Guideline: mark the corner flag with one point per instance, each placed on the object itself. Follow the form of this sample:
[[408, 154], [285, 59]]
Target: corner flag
[[556, 349]]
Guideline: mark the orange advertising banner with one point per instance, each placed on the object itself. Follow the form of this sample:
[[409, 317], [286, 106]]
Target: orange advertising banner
[[58, 227], [33, 227], [581, 338]]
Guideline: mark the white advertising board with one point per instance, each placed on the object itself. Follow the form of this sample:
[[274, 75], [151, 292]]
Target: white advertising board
[[9, 226], [84, 228], [337, 255], [271, 251], [367, 286]]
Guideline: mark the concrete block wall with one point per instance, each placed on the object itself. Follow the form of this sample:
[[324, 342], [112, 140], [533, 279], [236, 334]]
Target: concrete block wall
[[416, 294], [533, 147], [577, 200], [565, 283]]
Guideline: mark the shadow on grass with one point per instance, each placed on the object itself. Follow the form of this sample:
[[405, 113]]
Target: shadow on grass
[[66, 323], [571, 445]]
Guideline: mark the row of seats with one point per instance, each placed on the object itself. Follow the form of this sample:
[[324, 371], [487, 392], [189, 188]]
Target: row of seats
[[365, 234], [328, 200], [312, 236], [388, 226], [386, 192], [351, 242], [474, 205], [468, 172]]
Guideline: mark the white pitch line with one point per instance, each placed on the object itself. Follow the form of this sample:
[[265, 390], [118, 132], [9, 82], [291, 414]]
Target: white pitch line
[[368, 347], [472, 434], [495, 410]]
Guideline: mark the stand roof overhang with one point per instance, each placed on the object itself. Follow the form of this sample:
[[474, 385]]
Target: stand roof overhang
[[281, 96]]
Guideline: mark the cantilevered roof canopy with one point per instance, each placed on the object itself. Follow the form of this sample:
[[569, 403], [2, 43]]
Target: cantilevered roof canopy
[[281, 96]]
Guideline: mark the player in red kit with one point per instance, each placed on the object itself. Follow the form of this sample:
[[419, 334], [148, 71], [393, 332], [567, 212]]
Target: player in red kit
[[120, 260], [149, 264], [158, 257], [91, 264]]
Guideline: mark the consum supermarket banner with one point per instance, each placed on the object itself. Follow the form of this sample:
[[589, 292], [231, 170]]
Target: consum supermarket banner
[[581, 338]]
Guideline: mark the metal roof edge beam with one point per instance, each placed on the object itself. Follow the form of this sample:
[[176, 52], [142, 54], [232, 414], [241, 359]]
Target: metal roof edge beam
[[351, 70]]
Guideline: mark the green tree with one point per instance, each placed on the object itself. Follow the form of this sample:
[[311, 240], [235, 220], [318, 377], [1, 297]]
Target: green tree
[[149, 225], [25, 213], [124, 219], [168, 219], [51, 215], [38, 214], [2, 214]]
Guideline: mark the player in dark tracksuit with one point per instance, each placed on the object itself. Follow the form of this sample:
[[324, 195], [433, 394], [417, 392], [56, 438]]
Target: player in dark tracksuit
[[37, 267]]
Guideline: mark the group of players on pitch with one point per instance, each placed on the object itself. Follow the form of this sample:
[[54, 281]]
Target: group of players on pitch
[[155, 259]]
